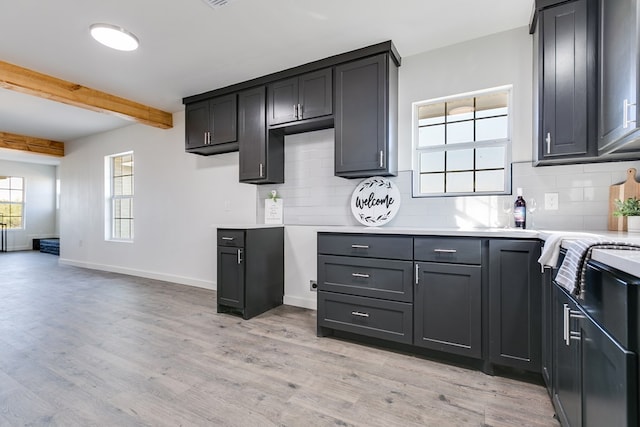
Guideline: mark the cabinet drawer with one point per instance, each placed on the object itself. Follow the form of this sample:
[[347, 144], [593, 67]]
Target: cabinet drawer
[[234, 238], [449, 250], [389, 320], [366, 245], [376, 278]]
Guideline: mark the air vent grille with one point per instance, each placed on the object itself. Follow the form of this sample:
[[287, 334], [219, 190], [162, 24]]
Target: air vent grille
[[217, 3]]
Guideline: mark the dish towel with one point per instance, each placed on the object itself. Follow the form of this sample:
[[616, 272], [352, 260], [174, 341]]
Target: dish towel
[[551, 249], [572, 272]]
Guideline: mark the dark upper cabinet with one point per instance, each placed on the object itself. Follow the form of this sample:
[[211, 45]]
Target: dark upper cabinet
[[261, 155], [211, 125], [515, 302], [440, 290], [300, 98], [567, 81], [618, 88], [366, 115]]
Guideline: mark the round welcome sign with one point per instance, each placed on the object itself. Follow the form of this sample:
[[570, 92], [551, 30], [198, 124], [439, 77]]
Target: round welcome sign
[[375, 201]]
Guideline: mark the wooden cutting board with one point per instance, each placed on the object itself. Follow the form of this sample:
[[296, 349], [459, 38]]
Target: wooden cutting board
[[629, 188]]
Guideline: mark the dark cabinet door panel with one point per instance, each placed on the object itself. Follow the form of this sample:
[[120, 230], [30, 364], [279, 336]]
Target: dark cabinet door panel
[[515, 304], [197, 124], [230, 284], [608, 395], [252, 133], [283, 101], [316, 94], [567, 395], [448, 308], [566, 80], [365, 117], [449, 250], [618, 71], [223, 119]]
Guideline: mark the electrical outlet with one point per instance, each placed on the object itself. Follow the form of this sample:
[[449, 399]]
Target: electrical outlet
[[313, 285], [550, 201]]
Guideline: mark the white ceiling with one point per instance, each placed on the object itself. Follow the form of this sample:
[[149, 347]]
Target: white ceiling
[[187, 47]]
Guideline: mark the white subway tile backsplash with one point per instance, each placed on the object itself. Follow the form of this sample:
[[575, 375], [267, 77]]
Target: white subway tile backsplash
[[314, 196]]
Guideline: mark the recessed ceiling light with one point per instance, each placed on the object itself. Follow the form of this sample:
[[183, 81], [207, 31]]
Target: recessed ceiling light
[[114, 37]]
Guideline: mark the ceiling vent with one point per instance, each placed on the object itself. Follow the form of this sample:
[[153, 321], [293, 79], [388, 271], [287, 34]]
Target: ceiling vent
[[217, 3]]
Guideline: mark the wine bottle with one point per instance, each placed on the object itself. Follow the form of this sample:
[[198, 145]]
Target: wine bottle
[[520, 211]]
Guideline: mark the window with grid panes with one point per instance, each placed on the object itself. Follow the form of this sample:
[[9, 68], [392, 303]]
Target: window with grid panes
[[121, 199], [462, 144], [12, 201]]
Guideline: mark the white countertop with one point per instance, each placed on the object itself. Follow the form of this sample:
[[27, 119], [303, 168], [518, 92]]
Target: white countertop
[[627, 261]]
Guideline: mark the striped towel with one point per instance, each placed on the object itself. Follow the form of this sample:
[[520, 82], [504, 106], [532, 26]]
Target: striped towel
[[572, 272]]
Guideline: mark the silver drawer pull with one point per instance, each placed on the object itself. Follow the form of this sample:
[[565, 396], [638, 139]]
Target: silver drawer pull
[[227, 238], [359, 314], [360, 246], [364, 276], [445, 251]]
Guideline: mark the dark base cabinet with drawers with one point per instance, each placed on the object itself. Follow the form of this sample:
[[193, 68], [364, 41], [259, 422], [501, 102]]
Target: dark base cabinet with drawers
[[592, 367], [250, 270], [446, 297]]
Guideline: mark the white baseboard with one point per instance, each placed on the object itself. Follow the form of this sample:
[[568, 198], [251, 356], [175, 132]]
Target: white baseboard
[[189, 281], [300, 302]]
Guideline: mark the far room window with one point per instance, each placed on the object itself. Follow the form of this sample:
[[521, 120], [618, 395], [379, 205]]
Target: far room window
[[12, 201], [462, 144], [121, 190]]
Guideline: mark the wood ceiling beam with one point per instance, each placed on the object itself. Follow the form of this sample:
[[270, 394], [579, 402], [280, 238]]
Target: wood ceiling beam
[[34, 83], [32, 145]]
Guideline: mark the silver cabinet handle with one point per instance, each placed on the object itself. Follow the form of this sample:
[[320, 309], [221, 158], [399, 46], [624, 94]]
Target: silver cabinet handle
[[364, 276], [548, 140], [261, 170], [625, 113], [204, 135], [445, 251], [360, 246], [299, 111], [295, 111], [239, 256], [565, 324], [227, 238], [575, 314], [417, 274], [381, 158], [359, 314]]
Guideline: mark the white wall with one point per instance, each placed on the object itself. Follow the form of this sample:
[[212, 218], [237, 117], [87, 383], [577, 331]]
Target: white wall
[[179, 199], [179, 196], [40, 207]]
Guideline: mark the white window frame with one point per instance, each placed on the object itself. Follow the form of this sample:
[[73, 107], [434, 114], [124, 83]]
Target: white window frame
[[110, 218], [22, 204], [505, 142]]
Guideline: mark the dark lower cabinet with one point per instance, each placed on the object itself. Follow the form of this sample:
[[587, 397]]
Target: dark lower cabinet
[[250, 278], [366, 116], [595, 376], [607, 367], [567, 394], [448, 308], [515, 295], [261, 159], [442, 295]]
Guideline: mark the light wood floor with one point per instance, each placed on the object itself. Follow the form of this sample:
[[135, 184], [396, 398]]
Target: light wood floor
[[87, 348]]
